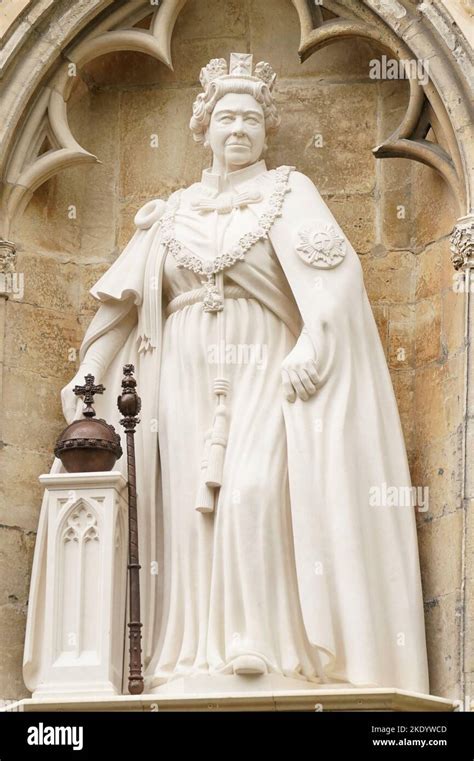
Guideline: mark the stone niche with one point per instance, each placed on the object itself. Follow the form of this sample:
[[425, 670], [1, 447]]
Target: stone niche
[[132, 112]]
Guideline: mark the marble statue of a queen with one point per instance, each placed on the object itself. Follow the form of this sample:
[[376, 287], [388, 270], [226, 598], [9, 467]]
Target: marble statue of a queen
[[268, 417]]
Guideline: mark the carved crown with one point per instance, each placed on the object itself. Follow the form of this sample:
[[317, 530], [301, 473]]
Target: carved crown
[[240, 65]]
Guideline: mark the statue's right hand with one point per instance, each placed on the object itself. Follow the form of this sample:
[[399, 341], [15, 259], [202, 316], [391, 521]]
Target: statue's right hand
[[69, 402]]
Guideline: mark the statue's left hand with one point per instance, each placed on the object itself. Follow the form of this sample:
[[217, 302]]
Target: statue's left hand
[[299, 375]]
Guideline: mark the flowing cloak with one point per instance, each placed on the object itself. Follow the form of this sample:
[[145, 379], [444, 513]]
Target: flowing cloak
[[357, 563]]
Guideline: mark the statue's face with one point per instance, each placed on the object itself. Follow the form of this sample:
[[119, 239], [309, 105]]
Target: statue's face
[[236, 132]]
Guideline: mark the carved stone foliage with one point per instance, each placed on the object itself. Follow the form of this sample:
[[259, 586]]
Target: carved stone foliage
[[7, 256], [462, 243]]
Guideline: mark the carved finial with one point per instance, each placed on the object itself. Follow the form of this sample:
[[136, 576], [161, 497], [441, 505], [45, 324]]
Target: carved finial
[[87, 391], [129, 403]]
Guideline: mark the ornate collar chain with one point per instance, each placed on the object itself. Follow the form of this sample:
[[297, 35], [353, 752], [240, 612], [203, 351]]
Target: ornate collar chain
[[184, 258]]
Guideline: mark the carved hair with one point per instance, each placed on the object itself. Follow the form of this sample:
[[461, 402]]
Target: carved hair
[[205, 102]]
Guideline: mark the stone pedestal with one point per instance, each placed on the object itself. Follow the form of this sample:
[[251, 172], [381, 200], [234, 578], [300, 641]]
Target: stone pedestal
[[327, 699], [85, 585]]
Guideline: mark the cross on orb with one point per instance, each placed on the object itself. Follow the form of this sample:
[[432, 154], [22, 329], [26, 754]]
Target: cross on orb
[[87, 391]]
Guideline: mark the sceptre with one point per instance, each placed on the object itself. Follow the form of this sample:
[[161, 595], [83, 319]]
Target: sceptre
[[129, 404]]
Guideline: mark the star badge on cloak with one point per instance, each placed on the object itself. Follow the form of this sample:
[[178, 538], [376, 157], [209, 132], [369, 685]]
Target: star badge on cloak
[[322, 247]]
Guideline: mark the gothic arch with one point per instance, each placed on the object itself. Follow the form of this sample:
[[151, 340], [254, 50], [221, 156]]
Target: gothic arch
[[50, 42]]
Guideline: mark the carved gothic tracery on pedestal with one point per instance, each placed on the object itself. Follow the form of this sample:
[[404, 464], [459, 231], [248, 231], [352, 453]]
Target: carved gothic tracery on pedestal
[[81, 525]]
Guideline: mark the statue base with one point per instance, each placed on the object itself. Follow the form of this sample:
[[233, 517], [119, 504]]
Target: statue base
[[216, 685], [327, 699]]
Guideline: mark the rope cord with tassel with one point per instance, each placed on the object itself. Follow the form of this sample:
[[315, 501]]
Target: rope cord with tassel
[[212, 463]]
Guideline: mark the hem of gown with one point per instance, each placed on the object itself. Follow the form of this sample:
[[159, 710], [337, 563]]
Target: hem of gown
[[330, 675], [159, 681], [227, 669], [156, 681]]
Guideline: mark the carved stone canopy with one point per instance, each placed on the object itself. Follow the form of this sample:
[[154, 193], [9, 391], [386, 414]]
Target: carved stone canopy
[[407, 31]]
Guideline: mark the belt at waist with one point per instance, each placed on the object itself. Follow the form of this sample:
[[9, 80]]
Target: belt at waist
[[197, 295]]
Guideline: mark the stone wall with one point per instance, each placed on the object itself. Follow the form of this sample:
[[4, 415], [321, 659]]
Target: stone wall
[[396, 213], [438, 407]]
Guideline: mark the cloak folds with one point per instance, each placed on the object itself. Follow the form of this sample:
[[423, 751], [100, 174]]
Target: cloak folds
[[357, 564]]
